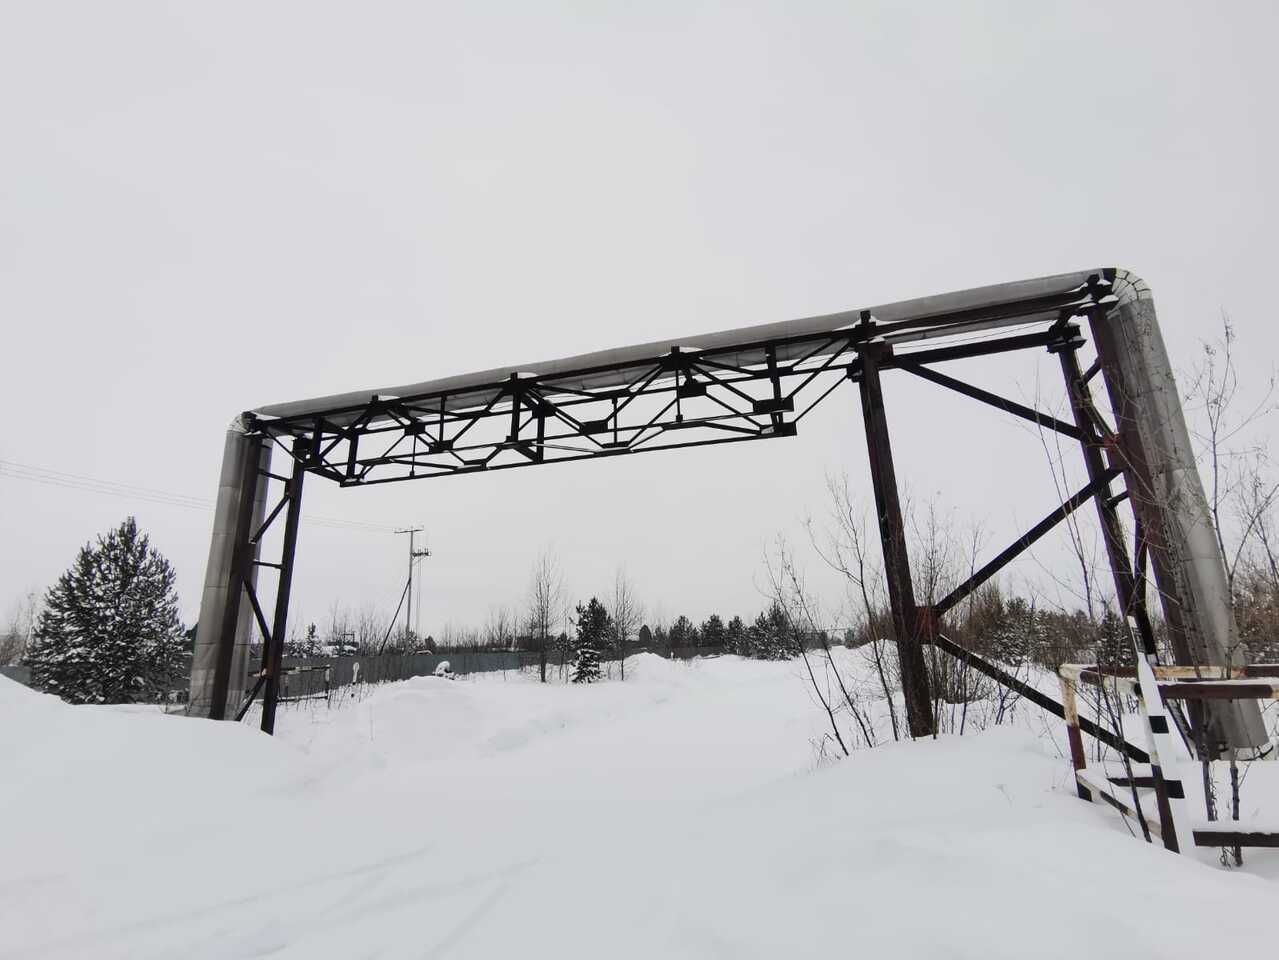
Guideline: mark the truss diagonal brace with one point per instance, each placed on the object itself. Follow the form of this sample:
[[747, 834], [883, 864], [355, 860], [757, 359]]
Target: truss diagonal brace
[[1027, 539], [248, 701], [1027, 692], [985, 396], [284, 501]]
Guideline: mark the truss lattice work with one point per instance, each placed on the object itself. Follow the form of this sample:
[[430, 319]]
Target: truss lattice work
[[759, 383]]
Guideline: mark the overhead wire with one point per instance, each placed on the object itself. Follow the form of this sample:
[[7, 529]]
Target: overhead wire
[[74, 481]]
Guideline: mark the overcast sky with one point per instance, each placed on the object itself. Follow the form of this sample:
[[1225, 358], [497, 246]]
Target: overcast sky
[[205, 208]]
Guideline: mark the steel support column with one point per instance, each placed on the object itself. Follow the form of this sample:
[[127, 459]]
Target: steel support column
[[274, 654], [909, 626], [1112, 530]]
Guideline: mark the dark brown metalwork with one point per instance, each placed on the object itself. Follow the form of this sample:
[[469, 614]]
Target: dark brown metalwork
[[273, 653], [1086, 419], [759, 386], [691, 398], [1088, 492], [1036, 417], [911, 630], [1041, 700], [1235, 838]]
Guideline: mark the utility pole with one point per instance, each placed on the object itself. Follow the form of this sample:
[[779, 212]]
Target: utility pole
[[417, 614], [413, 555]]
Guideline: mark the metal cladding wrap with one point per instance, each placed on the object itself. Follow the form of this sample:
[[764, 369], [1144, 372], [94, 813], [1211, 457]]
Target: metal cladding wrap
[[605, 369], [1168, 497], [219, 665], [755, 383]]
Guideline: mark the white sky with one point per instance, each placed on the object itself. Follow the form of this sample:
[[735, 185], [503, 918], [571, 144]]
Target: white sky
[[204, 208]]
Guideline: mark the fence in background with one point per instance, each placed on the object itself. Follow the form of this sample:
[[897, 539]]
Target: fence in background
[[16, 672], [306, 677]]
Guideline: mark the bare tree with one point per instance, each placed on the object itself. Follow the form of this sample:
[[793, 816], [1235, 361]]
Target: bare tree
[[15, 636], [499, 629], [845, 547], [628, 611], [1221, 429], [370, 629], [802, 616], [1241, 499], [545, 598]]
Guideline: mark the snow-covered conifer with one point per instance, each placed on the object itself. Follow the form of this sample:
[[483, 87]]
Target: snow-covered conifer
[[1114, 642], [110, 631], [593, 627]]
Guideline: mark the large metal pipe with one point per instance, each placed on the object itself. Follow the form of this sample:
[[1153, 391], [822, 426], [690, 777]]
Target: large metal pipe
[[245, 460], [1152, 447], [1168, 498]]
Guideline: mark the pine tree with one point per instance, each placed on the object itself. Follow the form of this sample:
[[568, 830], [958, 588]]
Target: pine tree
[[593, 627], [1014, 633], [713, 632], [683, 633], [737, 638], [308, 645], [1114, 642], [771, 637], [110, 631]]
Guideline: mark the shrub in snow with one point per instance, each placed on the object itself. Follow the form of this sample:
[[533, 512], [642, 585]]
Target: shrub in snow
[[110, 631], [593, 628]]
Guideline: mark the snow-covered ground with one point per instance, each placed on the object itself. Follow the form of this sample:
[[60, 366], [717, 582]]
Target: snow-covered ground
[[680, 814]]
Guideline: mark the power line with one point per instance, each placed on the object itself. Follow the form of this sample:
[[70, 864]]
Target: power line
[[46, 476]]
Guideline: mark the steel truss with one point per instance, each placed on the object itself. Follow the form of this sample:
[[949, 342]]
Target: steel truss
[[757, 389], [753, 391]]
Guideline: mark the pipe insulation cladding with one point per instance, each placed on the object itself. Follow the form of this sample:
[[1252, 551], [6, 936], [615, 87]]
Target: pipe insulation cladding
[[1167, 497], [1151, 446], [220, 661]]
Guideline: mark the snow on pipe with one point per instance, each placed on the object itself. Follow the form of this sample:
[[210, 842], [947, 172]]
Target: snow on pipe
[[218, 600], [1168, 498], [1160, 470]]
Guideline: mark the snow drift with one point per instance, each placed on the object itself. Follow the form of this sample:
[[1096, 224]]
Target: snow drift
[[680, 814]]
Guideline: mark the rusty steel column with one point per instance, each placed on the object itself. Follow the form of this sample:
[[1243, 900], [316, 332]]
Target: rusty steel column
[[910, 624], [1167, 496], [279, 631], [1112, 529]]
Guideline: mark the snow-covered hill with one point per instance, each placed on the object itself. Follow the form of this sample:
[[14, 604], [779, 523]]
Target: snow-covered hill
[[680, 814]]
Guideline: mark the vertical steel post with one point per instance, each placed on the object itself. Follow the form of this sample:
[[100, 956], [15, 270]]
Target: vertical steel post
[[908, 624], [1112, 529], [279, 630]]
